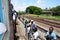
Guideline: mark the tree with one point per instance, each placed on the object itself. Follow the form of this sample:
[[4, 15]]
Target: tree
[[56, 10], [33, 10]]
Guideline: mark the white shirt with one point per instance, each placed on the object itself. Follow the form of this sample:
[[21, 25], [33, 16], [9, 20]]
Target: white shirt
[[36, 34], [15, 13], [2, 28], [13, 17], [28, 29], [28, 24]]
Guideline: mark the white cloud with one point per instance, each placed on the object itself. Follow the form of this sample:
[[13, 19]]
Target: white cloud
[[40, 1]]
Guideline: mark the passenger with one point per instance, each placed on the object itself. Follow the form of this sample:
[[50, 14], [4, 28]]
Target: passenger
[[25, 23], [36, 34], [14, 20], [28, 27], [15, 15], [50, 34], [33, 26]]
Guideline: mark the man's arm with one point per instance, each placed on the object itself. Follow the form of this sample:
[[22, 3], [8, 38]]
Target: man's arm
[[54, 38]]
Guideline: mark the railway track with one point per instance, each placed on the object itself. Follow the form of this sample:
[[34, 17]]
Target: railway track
[[45, 21]]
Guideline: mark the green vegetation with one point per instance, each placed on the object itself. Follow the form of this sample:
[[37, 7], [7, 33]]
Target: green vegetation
[[33, 10], [47, 17], [36, 10], [55, 10], [20, 13]]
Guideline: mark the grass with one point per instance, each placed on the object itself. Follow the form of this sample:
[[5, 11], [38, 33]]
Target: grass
[[47, 17]]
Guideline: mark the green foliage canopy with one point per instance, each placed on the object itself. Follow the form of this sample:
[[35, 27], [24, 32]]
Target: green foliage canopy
[[33, 10]]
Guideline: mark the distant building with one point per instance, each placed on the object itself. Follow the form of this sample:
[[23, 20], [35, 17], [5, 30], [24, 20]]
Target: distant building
[[48, 13]]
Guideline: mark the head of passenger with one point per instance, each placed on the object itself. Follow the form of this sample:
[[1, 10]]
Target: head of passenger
[[29, 21], [32, 21], [25, 20], [51, 29]]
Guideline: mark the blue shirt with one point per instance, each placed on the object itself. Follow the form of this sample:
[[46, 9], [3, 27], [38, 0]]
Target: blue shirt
[[52, 35], [33, 26]]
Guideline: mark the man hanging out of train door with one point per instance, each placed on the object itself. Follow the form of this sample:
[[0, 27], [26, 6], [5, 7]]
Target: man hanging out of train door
[[14, 23]]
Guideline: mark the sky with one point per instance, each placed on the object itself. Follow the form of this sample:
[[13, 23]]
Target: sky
[[21, 5]]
